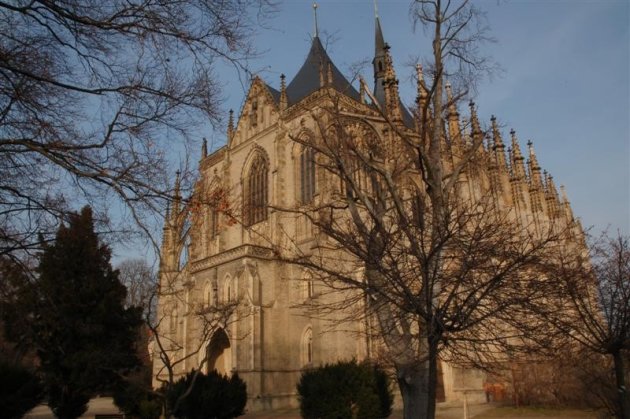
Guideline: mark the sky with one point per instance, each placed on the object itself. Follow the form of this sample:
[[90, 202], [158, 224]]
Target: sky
[[564, 82]]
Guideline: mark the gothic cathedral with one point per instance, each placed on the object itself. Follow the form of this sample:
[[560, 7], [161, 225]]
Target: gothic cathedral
[[230, 306]]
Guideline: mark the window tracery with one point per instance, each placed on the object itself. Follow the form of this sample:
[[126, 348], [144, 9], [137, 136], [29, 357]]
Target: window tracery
[[255, 194]]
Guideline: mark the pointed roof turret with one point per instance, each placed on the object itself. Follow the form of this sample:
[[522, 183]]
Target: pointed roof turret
[[518, 168], [283, 93], [307, 79], [385, 79], [497, 144], [551, 196], [379, 51], [534, 168], [176, 193], [454, 129], [423, 94], [204, 148], [230, 127], [474, 120]]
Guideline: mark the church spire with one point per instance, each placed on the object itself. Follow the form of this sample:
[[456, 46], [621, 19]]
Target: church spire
[[380, 48]]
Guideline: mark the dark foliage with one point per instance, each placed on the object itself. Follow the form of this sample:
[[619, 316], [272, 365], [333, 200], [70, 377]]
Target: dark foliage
[[138, 401], [82, 334], [20, 390], [345, 390], [211, 396]]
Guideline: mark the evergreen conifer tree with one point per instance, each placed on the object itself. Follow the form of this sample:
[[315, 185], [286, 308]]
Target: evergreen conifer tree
[[83, 335]]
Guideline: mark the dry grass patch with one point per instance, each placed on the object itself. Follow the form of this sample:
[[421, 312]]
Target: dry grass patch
[[536, 412]]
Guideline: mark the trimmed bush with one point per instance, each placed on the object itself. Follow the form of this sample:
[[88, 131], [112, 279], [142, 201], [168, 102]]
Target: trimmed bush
[[20, 390], [137, 401], [212, 396], [345, 390]]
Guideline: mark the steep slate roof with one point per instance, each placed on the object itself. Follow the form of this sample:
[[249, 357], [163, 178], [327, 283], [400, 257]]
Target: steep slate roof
[[306, 81], [274, 93]]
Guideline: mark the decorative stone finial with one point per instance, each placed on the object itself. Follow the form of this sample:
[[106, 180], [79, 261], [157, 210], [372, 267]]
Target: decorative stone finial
[[315, 19], [204, 148], [231, 124]]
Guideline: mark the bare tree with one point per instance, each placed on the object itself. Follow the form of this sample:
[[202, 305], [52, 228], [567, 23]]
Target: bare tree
[[425, 229], [94, 96], [592, 291], [141, 283]]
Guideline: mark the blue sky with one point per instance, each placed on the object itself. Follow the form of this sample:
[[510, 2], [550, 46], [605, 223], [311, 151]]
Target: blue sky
[[564, 84]]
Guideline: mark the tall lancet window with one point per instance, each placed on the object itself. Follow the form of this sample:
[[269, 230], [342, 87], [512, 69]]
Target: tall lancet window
[[255, 197], [307, 175]]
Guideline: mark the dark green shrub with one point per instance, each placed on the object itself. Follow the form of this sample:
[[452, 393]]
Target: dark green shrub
[[137, 401], [20, 390], [345, 390], [212, 396]]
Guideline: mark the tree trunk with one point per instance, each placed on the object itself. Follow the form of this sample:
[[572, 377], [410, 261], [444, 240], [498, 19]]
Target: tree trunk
[[622, 390], [417, 383]]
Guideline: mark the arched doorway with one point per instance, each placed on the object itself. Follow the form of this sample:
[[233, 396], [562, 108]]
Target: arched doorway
[[219, 353]]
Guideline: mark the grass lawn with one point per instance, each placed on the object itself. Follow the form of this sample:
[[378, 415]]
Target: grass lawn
[[536, 412]]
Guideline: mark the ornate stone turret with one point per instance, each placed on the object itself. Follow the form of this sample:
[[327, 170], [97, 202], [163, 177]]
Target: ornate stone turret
[[534, 169], [536, 190], [284, 101], [498, 147], [177, 199], [422, 98], [476, 133], [518, 167], [390, 86], [385, 81], [518, 179], [551, 196], [230, 127], [454, 129]]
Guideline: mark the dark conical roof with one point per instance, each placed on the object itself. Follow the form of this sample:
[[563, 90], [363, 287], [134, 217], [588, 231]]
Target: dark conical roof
[[379, 40], [306, 81]]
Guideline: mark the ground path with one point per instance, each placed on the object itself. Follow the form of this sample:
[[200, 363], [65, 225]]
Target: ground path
[[105, 406]]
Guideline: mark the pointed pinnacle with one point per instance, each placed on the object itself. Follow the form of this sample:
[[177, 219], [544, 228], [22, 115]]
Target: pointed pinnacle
[[476, 129], [496, 134], [516, 149]]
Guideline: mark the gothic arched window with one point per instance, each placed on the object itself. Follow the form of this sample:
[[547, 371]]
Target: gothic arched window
[[255, 197], [307, 347], [307, 175], [207, 294]]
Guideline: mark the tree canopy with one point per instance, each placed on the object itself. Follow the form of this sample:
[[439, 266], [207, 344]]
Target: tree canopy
[[94, 97], [83, 335]]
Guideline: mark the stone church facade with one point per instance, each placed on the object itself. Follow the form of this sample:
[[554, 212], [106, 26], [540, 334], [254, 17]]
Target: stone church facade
[[272, 336]]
